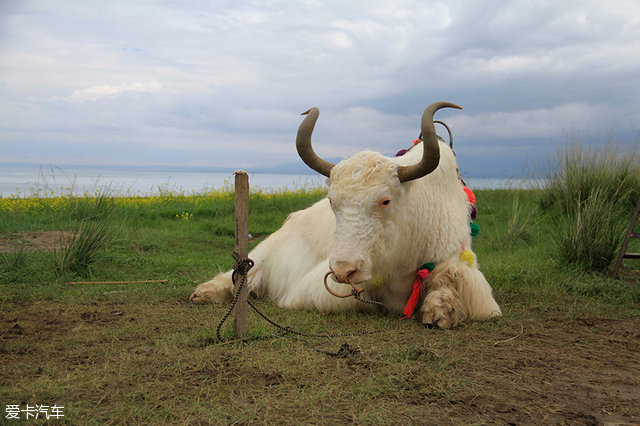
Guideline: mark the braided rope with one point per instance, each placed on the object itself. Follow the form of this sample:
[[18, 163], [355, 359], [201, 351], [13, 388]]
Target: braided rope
[[242, 267]]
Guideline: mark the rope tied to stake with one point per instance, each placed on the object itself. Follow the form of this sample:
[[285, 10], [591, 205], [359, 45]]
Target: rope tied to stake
[[242, 267]]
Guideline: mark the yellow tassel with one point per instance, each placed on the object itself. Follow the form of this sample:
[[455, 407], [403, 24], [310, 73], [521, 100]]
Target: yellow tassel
[[467, 257]]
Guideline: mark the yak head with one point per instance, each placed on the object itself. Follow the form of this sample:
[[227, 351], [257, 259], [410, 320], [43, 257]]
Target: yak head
[[366, 194]]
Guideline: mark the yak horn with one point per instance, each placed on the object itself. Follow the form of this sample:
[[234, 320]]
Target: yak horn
[[303, 144], [430, 146], [448, 131]]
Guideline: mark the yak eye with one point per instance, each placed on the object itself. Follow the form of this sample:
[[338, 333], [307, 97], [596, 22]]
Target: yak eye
[[384, 202]]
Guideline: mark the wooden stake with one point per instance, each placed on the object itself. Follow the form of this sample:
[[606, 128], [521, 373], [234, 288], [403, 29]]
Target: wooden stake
[[630, 234], [242, 247]]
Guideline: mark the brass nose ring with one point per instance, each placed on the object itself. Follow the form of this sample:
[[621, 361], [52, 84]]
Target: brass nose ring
[[342, 296]]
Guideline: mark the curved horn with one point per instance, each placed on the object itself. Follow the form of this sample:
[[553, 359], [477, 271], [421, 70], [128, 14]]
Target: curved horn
[[303, 144], [448, 131], [430, 147]]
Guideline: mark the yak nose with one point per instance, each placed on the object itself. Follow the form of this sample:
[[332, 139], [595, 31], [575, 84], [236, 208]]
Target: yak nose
[[344, 271]]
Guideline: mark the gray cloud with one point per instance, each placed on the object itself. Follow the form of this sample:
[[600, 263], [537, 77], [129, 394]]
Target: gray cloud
[[222, 83]]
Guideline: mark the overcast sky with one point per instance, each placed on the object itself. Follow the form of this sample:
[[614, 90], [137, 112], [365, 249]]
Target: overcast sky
[[222, 83]]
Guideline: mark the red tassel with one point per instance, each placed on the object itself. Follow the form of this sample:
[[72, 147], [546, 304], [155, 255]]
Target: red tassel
[[415, 294], [470, 194], [413, 300]]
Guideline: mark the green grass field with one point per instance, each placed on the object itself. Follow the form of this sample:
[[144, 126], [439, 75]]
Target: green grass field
[[567, 349]]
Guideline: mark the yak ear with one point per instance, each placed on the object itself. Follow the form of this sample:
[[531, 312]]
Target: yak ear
[[303, 144], [430, 146]]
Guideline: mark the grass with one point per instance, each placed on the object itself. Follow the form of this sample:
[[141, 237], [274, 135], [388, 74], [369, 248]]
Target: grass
[[518, 226], [592, 187], [12, 262], [90, 232], [585, 165], [142, 354], [591, 235]]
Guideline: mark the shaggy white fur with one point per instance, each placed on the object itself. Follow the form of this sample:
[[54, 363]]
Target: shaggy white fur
[[375, 231]]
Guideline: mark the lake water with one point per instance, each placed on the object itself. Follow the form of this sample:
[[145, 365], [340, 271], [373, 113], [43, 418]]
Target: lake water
[[28, 180]]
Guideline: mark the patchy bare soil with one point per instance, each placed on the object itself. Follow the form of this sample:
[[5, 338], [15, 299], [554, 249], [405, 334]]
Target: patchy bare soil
[[120, 362], [32, 241], [585, 371]]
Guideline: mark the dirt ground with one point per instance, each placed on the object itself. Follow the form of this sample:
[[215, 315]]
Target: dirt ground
[[32, 241], [556, 371], [585, 372], [540, 366]]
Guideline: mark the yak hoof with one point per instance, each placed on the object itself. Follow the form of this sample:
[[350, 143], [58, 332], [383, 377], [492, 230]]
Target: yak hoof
[[212, 291], [435, 320], [438, 310]]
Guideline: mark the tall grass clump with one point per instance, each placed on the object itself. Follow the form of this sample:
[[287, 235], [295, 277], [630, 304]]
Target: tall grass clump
[[582, 167], [90, 232], [590, 235], [591, 189]]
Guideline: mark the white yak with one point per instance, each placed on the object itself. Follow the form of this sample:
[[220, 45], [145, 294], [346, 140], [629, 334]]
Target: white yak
[[383, 218]]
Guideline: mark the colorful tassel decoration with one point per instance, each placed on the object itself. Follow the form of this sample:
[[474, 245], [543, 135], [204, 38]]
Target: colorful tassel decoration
[[475, 229], [470, 194], [474, 212], [467, 257], [423, 273]]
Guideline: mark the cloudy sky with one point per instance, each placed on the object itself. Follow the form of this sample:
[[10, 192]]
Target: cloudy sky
[[222, 83]]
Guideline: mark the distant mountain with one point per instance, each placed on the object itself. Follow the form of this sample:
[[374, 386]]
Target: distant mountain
[[294, 168]]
